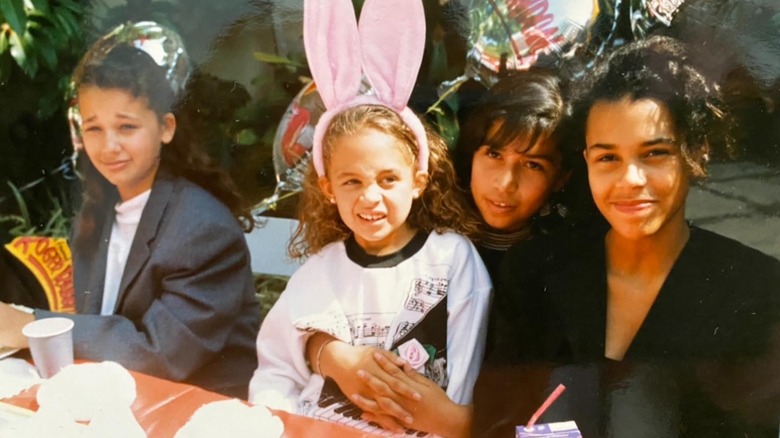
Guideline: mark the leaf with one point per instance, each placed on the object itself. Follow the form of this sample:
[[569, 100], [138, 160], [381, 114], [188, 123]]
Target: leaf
[[41, 6], [24, 213], [47, 52], [18, 52], [54, 36], [20, 227], [73, 6], [447, 126], [29, 44], [270, 58], [431, 350], [42, 19], [66, 22], [3, 42], [246, 137], [51, 228], [13, 10]]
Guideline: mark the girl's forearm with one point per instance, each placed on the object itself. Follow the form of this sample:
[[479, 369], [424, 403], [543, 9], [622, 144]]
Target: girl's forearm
[[315, 350], [455, 421]]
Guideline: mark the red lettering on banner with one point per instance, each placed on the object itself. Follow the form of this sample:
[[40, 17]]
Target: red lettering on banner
[[23, 242], [43, 275], [537, 25], [64, 282], [50, 261], [51, 257]]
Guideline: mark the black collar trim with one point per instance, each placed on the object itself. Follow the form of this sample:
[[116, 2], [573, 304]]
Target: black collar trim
[[358, 255]]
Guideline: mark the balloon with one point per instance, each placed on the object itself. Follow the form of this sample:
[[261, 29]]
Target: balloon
[[648, 14], [293, 137], [513, 34], [292, 144], [163, 45]]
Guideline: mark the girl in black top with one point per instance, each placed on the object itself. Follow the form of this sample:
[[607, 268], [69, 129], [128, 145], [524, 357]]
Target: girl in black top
[[658, 327]]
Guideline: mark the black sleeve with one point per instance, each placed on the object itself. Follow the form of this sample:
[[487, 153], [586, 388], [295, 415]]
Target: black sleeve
[[522, 310]]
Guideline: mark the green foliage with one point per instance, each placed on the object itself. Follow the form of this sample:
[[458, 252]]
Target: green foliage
[[270, 58], [36, 34], [22, 224], [254, 125], [268, 288]]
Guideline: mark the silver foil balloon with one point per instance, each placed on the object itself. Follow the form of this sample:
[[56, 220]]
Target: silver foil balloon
[[292, 144], [647, 15], [162, 44], [513, 34], [295, 132]]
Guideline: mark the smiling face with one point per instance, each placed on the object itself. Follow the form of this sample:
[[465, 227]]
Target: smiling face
[[371, 176], [636, 170], [510, 184], [123, 137]]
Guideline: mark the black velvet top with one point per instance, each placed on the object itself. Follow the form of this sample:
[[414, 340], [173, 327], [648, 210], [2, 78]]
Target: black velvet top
[[704, 362]]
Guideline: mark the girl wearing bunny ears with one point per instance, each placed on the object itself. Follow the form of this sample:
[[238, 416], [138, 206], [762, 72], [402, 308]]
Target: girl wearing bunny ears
[[386, 270]]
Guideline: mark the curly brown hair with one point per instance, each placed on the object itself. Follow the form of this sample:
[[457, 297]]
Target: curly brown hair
[[660, 68], [441, 207]]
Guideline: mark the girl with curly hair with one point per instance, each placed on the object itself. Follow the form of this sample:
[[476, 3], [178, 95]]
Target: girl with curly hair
[[392, 270], [392, 290]]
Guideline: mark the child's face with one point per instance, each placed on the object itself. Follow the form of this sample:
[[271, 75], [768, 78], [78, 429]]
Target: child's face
[[636, 170], [373, 181], [510, 184], [123, 137]]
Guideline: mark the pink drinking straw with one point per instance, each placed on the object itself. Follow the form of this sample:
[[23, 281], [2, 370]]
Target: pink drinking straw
[[550, 400]]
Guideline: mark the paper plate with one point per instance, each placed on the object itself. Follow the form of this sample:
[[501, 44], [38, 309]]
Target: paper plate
[[85, 390]]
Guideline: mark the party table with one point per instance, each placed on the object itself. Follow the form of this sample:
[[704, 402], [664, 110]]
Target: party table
[[162, 407]]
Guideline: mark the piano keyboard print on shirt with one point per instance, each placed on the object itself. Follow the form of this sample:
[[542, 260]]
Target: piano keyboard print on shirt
[[335, 407]]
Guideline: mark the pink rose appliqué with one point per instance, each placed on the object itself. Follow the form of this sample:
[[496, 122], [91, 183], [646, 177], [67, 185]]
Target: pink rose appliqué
[[413, 352]]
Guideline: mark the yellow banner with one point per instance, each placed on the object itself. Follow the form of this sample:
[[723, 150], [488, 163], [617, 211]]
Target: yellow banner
[[49, 260]]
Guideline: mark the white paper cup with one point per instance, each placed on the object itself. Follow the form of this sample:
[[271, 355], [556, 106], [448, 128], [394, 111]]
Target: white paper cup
[[51, 344]]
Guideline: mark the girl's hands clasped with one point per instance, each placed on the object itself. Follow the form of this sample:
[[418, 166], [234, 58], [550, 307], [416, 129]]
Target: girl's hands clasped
[[354, 367], [432, 411], [387, 389]]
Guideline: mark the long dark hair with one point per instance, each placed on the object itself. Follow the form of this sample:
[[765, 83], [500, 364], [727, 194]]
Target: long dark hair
[[133, 70], [530, 106]]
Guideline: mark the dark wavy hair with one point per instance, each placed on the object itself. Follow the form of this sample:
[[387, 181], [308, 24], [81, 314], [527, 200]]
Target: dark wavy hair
[[529, 105], [441, 206], [133, 70], [660, 68]]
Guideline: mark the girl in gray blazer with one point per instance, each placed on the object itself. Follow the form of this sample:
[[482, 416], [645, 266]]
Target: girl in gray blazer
[[161, 269]]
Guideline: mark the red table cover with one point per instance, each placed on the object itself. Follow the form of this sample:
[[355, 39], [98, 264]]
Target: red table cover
[[162, 407]]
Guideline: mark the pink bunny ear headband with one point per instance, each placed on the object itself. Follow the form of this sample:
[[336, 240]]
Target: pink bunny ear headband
[[388, 45]]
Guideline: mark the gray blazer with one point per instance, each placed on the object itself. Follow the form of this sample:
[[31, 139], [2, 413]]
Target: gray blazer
[[186, 309]]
